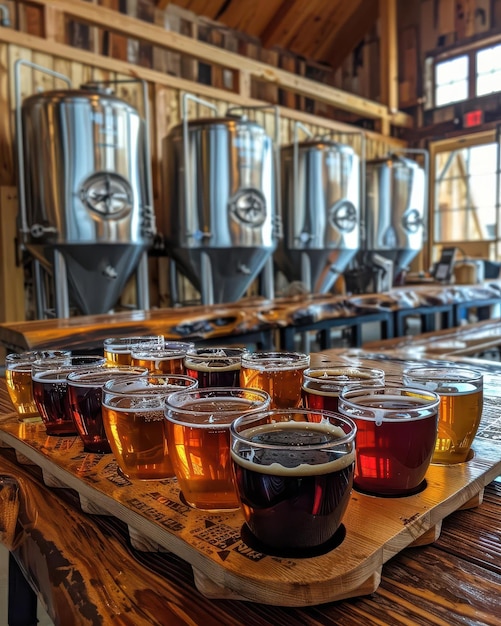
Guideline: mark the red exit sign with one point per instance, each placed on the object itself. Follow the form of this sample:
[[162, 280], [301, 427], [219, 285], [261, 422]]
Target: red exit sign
[[473, 118]]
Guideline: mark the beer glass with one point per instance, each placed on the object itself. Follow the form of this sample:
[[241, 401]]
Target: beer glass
[[321, 386], [85, 390], [198, 435], [461, 403], [133, 417], [168, 359], [278, 373], [293, 471], [396, 433], [117, 350], [215, 367], [18, 380], [50, 389]]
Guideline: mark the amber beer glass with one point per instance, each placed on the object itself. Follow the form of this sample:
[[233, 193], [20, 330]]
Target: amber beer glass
[[85, 391], [396, 433], [293, 474], [50, 389], [215, 367], [133, 417], [198, 435], [168, 359], [321, 386], [18, 379], [117, 350], [278, 373], [461, 403]]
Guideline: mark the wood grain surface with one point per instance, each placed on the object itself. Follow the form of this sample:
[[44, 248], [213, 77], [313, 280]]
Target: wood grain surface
[[224, 565], [88, 574]]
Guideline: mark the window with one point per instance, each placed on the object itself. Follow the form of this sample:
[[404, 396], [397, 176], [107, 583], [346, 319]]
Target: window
[[488, 70], [473, 72], [465, 186], [451, 81]]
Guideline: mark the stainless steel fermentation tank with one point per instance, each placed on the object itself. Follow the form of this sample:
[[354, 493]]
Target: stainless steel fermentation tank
[[395, 214], [221, 204], [86, 212], [320, 183]]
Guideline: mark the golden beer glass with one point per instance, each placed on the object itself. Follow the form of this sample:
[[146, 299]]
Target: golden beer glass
[[117, 350], [280, 374], [461, 403], [198, 436], [168, 359], [322, 386], [133, 418], [18, 380]]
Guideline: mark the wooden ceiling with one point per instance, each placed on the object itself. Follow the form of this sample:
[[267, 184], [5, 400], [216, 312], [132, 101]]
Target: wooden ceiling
[[325, 31]]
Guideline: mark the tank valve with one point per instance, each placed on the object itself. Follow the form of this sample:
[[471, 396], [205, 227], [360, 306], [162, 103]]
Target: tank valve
[[243, 269], [110, 272], [37, 230]]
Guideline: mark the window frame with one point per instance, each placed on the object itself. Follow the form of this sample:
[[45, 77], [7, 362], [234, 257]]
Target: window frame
[[469, 50]]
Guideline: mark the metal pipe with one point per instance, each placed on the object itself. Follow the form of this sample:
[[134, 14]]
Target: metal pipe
[[4, 10], [61, 286], [142, 289], [19, 131]]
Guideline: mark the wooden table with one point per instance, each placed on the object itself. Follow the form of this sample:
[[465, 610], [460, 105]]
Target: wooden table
[[86, 571], [467, 340]]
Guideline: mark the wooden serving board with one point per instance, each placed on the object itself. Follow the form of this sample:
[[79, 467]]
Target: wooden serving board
[[224, 565]]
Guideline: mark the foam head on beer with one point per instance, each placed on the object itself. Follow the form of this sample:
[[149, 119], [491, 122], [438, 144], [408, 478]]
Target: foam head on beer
[[293, 471]]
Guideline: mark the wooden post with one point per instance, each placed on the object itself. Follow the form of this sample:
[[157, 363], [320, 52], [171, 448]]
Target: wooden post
[[389, 54], [11, 274]]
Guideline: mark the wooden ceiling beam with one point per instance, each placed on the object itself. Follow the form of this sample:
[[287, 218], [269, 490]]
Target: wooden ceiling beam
[[343, 41], [286, 22], [389, 53]]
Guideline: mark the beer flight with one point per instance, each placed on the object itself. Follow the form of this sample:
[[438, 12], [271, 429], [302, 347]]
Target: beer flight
[[259, 431]]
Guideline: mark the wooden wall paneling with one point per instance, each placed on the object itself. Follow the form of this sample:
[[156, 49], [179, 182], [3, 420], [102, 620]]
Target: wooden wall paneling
[[80, 73], [464, 18], [113, 44], [7, 165], [482, 17], [496, 14], [287, 62], [428, 30], [267, 90], [30, 19], [12, 299]]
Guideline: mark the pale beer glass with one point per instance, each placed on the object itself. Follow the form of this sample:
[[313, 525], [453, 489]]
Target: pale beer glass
[[117, 350], [168, 359], [133, 418], [280, 374], [198, 435], [18, 380], [461, 402]]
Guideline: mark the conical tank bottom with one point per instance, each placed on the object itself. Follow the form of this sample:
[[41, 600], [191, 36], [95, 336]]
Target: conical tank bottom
[[317, 269], [226, 272], [98, 273]]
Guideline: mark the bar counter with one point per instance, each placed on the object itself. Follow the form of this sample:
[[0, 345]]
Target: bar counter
[[85, 570], [263, 322]]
